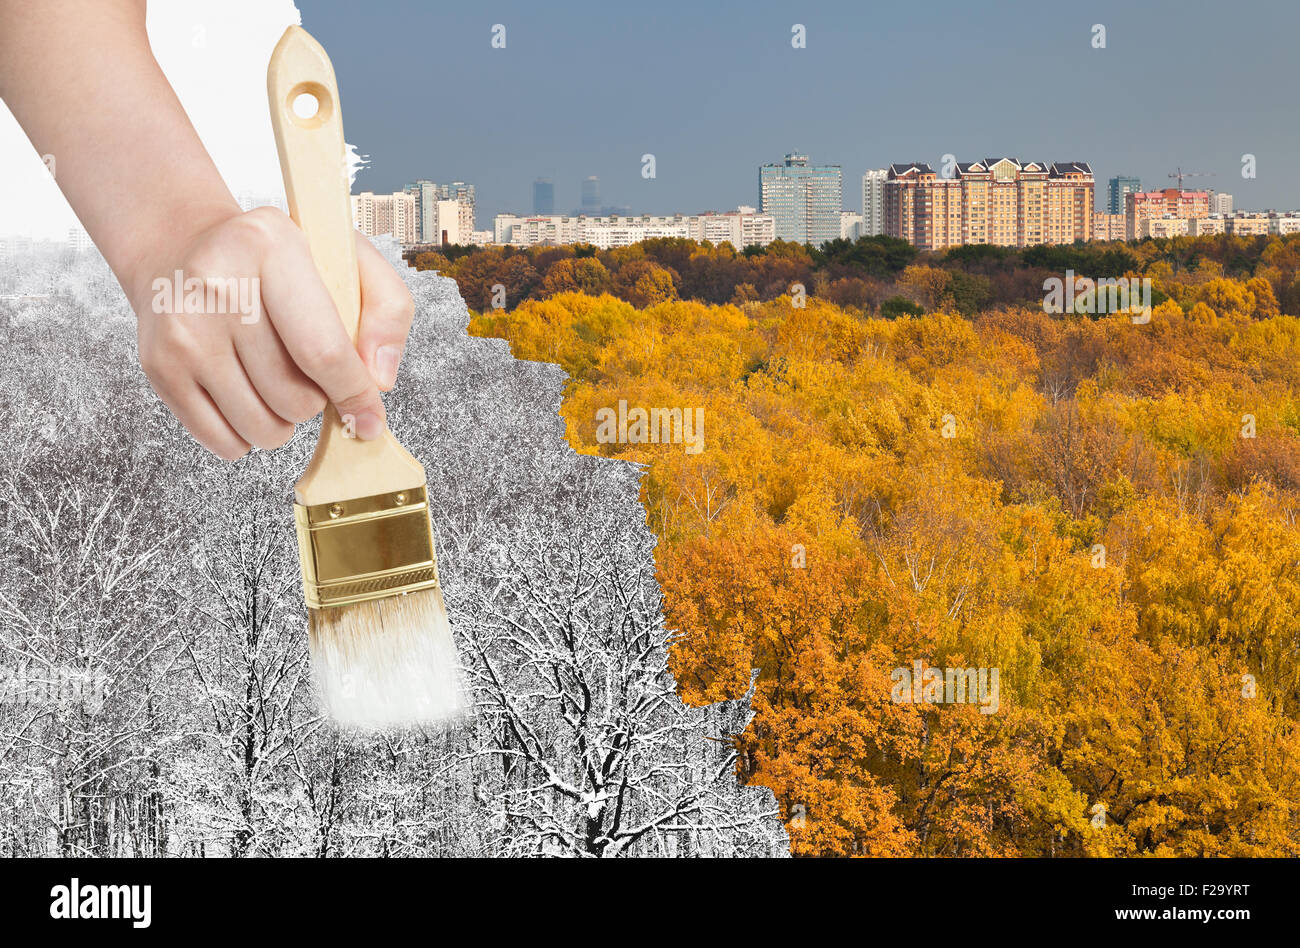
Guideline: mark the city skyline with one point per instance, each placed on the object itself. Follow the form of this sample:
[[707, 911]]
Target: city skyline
[[852, 200], [852, 97], [1003, 201], [855, 99]]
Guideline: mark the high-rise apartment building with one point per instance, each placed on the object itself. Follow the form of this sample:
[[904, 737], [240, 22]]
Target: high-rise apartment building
[[378, 214], [1220, 203], [425, 194], [464, 196], [543, 197], [1001, 201], [591, 195], [1107, 226], [805, 200], [429, 227], [452, 228], [1142, 206], [1116, 189], [873, 202]]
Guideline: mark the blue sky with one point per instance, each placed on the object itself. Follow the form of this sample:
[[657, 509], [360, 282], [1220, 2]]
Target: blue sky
[[713, 90]]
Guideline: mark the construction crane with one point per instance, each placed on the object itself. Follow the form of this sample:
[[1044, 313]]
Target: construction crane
[[1180, 174]]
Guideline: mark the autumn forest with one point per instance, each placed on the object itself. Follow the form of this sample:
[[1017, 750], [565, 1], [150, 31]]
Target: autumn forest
[[907, 463]]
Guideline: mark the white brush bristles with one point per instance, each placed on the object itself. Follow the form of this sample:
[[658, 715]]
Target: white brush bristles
[[387, 663]]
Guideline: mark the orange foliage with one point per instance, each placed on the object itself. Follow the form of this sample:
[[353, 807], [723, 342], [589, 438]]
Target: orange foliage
[[1102, 512]]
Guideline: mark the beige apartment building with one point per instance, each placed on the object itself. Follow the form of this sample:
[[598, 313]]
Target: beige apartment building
[[1248, 225], [741, 228], [1164, 226], [1238, 225], [1139, 206], [1107, 226], [378, 214], [1001, 201], [1203, 226]]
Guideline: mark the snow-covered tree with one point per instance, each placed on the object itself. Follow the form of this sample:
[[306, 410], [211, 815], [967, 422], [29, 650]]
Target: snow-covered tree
[[128, 554]]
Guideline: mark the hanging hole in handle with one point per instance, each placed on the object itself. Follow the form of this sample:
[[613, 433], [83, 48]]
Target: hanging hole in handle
[[309, 105], [306, 106]]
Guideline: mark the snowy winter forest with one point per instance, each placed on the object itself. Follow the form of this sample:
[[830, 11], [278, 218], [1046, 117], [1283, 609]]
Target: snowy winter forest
[[133, 560]]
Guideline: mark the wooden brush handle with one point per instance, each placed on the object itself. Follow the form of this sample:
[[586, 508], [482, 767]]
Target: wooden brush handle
[[313, 161], [314, 164]]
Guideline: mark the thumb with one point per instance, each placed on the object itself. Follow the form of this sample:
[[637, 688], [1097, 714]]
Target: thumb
[[386, 313], [303, 314]]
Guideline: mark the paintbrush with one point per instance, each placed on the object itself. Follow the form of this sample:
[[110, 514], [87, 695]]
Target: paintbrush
[[381, 649]]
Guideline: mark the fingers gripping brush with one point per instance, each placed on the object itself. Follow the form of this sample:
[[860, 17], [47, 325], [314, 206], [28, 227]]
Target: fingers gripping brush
[[381, 649]]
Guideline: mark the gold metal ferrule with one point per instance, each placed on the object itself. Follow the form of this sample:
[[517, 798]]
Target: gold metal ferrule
[[365, 548]]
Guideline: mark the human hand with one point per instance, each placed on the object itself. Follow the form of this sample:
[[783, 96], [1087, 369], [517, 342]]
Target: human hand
[[255, 345]]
